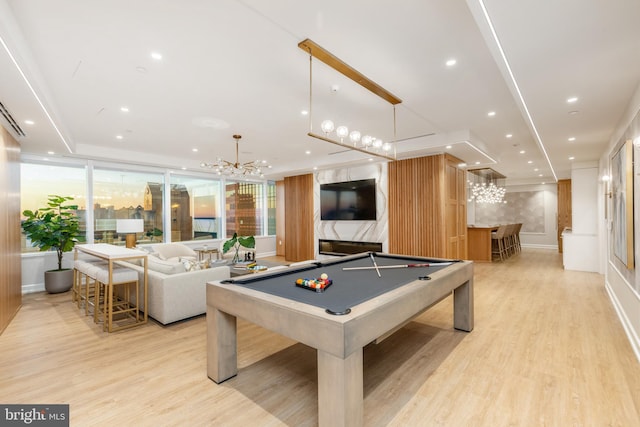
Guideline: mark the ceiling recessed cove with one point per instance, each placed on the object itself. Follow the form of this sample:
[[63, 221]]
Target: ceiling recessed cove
[[210, 122]]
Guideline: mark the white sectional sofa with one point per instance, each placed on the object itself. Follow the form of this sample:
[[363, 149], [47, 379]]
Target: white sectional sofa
[[174, 292]]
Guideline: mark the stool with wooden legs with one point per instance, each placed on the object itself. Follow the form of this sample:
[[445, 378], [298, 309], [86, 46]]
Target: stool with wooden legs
[[121, 295]]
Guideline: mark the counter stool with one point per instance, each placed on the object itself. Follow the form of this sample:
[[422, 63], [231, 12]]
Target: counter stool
[[118, 309], [84, 272], [498, 246]]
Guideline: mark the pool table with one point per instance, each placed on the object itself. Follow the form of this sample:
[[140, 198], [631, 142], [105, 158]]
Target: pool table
[[359, 307]]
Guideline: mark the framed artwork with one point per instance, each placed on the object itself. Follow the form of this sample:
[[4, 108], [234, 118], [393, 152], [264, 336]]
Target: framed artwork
[[622, 204]]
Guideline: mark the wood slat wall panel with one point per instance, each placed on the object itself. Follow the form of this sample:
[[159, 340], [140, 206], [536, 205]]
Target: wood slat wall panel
[[280, 222], [427, 207], [299, 226], [564, 208], [10, 259]]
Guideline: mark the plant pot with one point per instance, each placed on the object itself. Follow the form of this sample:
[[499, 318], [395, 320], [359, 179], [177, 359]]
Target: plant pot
[[56, 281]]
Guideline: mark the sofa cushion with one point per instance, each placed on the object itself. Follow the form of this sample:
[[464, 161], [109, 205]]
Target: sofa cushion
[[173, 250], [165, 266]]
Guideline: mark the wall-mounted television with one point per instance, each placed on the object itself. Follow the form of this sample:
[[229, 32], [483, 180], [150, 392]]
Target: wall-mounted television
[[348, 201]]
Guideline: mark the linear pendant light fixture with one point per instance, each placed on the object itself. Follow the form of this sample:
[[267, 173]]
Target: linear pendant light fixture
[[365, 144]]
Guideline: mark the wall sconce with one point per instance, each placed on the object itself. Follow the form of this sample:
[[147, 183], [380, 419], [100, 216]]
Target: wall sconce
[[130, 227]]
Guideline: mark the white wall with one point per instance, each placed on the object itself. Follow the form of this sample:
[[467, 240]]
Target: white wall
[[623, 285]]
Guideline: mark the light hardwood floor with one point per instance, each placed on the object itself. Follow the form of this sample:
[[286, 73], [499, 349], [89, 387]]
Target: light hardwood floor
[[547, 350]]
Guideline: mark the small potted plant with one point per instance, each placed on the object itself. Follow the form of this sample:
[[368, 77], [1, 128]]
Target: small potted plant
[[54, 227], [236, 242]]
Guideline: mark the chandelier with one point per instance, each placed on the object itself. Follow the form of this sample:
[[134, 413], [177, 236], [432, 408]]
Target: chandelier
[[225, 167], [354, 139], [488, 190]]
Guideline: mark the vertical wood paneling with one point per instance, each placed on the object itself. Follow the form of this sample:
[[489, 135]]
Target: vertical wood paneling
[[280, 222], [564, 208], [10, 261], [427, 207], [299, 235]]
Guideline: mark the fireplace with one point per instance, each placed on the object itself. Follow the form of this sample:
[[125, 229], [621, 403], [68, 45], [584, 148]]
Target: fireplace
[[346, 247]]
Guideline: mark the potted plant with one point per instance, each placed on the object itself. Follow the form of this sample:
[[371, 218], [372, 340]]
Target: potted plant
[[236, 242], [54, 227]]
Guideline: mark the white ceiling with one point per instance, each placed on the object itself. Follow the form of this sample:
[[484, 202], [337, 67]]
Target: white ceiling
[[236, 62]]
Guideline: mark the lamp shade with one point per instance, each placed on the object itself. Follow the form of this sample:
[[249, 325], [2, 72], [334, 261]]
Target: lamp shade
[[129, 226]]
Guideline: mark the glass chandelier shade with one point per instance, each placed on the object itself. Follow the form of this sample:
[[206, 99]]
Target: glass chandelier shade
[[486, 186], [487, 193]]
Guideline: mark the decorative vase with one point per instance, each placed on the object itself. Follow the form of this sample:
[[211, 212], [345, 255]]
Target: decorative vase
[[56, 281]]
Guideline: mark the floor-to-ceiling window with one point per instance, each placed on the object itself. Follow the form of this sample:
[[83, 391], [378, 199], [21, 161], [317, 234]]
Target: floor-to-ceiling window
[[199, 206], [127, 194], [196, 208], [38, 181]]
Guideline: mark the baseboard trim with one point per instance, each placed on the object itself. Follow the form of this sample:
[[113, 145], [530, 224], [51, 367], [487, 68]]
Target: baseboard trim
[[626, 324], [32, 288], [529, 245]]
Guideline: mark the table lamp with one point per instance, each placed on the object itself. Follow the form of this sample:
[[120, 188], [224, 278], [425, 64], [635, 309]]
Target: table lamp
[[130, 227]]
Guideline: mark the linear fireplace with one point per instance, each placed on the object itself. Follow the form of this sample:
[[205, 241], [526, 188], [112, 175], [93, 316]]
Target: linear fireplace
[[346, 247]]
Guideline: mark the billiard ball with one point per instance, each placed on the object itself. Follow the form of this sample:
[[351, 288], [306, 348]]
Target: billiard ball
[[324, 276]]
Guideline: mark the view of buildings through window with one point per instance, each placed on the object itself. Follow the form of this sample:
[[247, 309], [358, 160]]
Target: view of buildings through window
[[198, 206]]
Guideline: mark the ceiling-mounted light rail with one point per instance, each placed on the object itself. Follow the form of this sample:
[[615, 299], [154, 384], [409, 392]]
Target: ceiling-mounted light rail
[[366, 144], [337, 64]]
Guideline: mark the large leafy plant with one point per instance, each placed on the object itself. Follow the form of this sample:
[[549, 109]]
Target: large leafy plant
[[236, 242], [54, 227]]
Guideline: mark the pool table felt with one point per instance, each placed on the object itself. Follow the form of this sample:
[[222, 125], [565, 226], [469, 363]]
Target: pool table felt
[[349, 288]]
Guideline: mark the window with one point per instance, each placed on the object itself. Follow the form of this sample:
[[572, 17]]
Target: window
[[38, 181], [271, 208], [195, 208], [244, 208], [123, 194]]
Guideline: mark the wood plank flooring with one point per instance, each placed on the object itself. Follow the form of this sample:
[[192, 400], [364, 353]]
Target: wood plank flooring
[[547, 350]]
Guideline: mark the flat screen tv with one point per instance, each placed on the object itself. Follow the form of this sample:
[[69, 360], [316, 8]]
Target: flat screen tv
[[348, 201]]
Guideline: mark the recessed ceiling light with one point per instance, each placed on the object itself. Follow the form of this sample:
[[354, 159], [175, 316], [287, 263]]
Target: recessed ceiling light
[[448, 147], [536, 170], [29, 122], [574, 112], [51, 153], [195, 150], [124, 109], [543, 183], [508, 135], [307, 152], [572, 158], [157, 56], [491, 113], [304, 112], [371, 159], [183, 168], [573, 138], [119, 136], [461, 165], [530, 161], [572, 99], [540, 175], [315, 168], [522, 151], [451, 62]]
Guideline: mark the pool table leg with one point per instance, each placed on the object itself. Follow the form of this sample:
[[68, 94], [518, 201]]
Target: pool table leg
[[463, 306], [222, 349], [340, 390]]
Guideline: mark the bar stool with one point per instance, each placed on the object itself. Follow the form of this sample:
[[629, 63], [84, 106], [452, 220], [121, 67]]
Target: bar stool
[[117, 306], [516, 236], [84, 271], [498, 243]]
